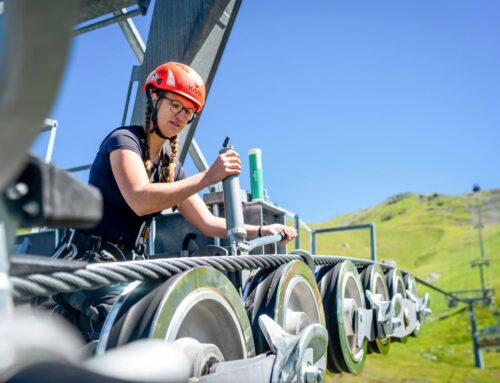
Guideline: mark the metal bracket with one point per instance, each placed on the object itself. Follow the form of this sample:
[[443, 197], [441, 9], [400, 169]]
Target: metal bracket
[[397, 324], [410, 317], [243, 247], [423, 310], [202, 356], [43, 195], [295, 354], [256, 369], [364, 323], [388, 314]]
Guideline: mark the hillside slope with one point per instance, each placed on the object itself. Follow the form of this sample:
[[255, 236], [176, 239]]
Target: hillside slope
[[433, 236]]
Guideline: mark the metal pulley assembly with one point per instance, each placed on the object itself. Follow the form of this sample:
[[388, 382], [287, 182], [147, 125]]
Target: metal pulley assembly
[[200, 313], [289, 295], [410, 284], [298, 357], [194, 325], [396, 285], [348, 320], [373, 280], [200, 303], [421, 304], [412, 307], [293, 359], [411, 294]]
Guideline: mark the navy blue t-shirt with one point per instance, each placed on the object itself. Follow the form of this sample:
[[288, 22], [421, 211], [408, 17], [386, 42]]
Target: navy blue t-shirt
[[119, 223]]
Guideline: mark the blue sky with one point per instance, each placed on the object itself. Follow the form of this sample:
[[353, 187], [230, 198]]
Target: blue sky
[[350, 101]]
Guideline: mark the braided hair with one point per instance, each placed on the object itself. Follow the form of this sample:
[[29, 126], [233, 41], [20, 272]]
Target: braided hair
[[148, 163], [168, 165]]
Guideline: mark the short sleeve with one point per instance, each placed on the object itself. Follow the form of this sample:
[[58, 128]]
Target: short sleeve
[[122, 139]]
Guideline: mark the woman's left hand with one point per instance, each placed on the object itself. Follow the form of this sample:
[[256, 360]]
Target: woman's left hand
[[289, 232]]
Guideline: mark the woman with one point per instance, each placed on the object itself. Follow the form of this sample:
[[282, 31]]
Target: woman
[[138, 180]]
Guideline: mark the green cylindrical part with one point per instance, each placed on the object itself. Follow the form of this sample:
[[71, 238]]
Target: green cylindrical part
[[256, 176]]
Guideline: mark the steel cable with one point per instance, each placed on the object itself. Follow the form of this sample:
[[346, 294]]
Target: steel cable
[[98, 275]]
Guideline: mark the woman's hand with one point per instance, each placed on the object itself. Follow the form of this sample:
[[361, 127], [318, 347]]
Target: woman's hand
[[226, 164], [289, 232]]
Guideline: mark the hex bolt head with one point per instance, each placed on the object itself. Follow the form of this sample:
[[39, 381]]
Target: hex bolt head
[[32, 208], [16, 191], [313, 374]]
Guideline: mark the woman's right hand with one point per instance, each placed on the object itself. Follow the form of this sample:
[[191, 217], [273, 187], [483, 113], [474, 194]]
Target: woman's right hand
[[226, 164]]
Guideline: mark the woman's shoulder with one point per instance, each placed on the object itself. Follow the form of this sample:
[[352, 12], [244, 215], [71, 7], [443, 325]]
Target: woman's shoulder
[[124, 137], [134, 131]]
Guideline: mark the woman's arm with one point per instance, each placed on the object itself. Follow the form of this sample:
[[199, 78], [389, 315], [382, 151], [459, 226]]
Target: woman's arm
[[196, 212], [144, 197]]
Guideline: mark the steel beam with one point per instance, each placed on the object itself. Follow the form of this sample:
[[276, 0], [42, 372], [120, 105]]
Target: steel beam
[[197, 156], [50, 125], [132, 35], [91, 9], [105, 22], [478, 358], [195, 33]]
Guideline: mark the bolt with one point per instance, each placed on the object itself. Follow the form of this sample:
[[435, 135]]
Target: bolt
[[396, 322], [406, 317], [32, 208], [313, 374], [17, 191]]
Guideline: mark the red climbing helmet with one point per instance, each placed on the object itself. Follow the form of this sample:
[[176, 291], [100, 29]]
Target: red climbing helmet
[[179, 79]]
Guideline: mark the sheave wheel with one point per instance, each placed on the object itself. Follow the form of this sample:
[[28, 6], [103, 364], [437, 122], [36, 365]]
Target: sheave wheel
[[396, 284], [288, 294], [121, 314], [342, 292], [374, 280], [410, 284], [200, 303]]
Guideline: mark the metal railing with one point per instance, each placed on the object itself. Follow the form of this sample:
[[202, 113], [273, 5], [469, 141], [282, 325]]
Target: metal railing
[[370, 226], [298, 223]]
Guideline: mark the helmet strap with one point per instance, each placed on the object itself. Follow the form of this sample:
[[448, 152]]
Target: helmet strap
[[154, 113]]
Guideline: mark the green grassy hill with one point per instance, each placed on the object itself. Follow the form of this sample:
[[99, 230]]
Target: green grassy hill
[[432, 236]]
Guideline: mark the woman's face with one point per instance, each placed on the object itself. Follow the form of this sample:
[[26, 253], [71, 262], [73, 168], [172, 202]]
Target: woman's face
[[174, 112]]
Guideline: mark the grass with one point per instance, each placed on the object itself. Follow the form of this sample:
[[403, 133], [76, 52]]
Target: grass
[[432, 236]]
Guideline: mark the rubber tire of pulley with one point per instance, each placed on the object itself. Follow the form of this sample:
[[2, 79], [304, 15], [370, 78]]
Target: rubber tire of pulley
[[141, 311], [339, 358]]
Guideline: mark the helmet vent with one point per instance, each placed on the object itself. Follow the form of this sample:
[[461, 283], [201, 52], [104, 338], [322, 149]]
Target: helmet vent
[[170, 78]]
